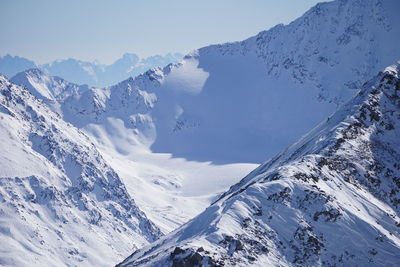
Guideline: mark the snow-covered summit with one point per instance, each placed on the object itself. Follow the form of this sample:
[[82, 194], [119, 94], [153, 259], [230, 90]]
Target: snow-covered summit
[[331, 199], [346, 34], [46, 87]]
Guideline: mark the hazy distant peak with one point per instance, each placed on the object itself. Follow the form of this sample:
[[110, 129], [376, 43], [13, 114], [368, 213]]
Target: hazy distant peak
[[92, 73], [10, 65]]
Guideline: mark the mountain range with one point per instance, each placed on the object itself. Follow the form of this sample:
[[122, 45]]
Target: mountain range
[[90, 73], [124, 164], [330, 199]]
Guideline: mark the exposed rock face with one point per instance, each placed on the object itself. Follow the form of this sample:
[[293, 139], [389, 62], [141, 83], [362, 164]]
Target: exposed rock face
[[331, 199]]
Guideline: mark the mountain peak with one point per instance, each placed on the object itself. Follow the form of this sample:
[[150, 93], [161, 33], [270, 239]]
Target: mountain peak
[[393, 69], [32, 71], [46, 87]]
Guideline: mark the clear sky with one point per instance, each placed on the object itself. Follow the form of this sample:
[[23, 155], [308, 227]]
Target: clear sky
[[44, 30]]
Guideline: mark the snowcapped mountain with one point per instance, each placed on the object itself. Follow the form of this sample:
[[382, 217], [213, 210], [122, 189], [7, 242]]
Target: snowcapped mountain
[[250, 99], [61, 204], [45, 87], [130, 100], [331, 199], [11, 65], [119, 121], [91, 73]]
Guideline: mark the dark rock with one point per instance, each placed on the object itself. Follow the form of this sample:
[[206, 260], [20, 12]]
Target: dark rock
[[177, 251]]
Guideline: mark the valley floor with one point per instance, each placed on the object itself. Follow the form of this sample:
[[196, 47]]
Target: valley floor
[[169, 190]]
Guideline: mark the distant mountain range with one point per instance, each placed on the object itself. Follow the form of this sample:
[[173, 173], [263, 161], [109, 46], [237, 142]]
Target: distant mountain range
[[90, 73]]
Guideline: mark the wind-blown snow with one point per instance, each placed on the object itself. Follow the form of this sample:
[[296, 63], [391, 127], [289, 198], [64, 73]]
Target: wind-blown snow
[[188, 78]]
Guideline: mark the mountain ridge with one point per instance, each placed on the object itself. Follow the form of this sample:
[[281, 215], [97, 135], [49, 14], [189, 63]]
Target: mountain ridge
[[54, 177], [331, 199], [304, 65]]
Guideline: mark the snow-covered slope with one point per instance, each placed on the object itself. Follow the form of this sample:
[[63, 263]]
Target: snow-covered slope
[[245, 101], [61, 204], [81, 105], [331, 199], [118, 120], [171, 191]]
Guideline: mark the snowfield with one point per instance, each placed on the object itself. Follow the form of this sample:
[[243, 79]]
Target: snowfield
[[169, 190]]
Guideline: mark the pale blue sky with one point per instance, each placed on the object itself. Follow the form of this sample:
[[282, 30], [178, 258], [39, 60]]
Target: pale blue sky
[[44, 30]]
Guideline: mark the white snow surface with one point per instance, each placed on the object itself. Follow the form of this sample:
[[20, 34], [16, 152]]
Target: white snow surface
[[330, 199], [169, 190]]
